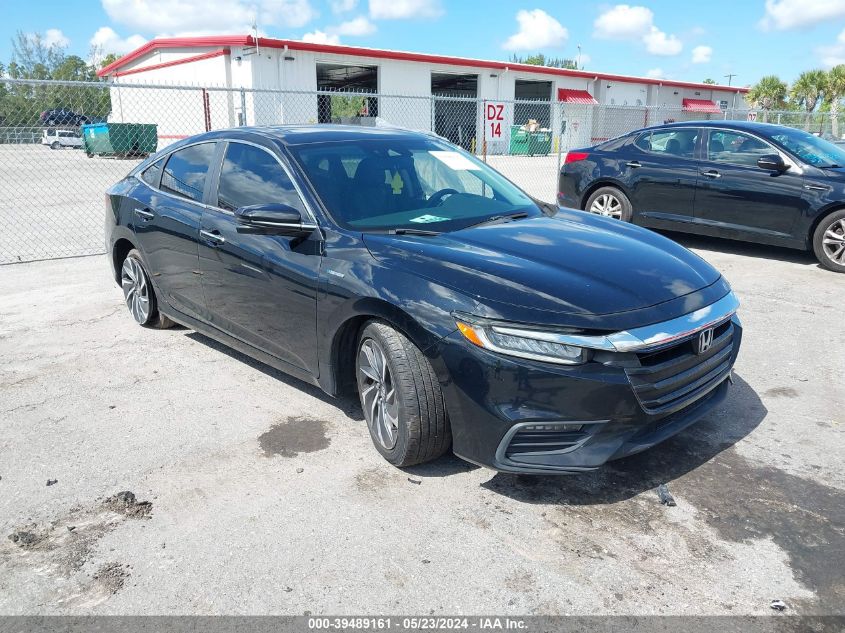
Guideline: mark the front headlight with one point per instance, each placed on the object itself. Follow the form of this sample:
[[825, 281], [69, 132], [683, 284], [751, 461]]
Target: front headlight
[[524, 343]]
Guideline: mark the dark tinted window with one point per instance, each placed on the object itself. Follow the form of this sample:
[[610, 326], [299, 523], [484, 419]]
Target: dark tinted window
[[736, 148], [152, 174], [672, 142], [252, 176], [186, 170]]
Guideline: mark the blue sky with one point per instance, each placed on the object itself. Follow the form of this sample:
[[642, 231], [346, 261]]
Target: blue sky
[[675, 39]]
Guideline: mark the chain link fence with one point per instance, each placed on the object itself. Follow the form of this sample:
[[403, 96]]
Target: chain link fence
[[62, 144]]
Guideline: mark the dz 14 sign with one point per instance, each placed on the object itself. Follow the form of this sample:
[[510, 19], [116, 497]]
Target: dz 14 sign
[[494, 116]]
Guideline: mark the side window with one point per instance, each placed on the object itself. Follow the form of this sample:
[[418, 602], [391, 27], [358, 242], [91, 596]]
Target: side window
[[736, 148], [186, 169], [252, 176], [644, 142], [674, 142], [152, 174]]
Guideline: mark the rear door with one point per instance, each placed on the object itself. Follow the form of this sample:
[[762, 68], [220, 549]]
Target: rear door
[[662, 173], [261, 289], [166, 220], [736, 196]]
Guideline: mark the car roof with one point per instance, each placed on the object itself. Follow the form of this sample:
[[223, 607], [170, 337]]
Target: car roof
[[747, 126], [308, 133]]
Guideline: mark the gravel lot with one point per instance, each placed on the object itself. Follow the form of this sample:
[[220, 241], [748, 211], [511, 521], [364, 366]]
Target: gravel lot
[[266, 497]]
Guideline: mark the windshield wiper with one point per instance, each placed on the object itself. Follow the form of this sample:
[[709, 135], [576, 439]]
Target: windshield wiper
[[412, 232], [507, 217]]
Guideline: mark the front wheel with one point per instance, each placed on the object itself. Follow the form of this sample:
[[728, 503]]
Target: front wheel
[[611, 203], [55, 145], [829, 242], [401, 397], [139, 294]]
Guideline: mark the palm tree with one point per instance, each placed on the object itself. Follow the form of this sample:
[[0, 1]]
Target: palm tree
[[834, 93], [808, 90], [767, 94]]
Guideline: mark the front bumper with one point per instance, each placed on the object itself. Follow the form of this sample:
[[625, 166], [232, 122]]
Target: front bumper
[[498, 404]]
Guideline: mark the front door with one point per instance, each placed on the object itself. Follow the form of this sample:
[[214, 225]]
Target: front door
[[737, 196], [261, 289]]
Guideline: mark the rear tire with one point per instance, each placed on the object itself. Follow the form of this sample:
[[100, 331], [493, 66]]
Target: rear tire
[[55, 145], [401, 397], [610, 202], [829, 242], [139, 294]]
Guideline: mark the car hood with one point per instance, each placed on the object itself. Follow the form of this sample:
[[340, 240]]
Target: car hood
[[574, 264]]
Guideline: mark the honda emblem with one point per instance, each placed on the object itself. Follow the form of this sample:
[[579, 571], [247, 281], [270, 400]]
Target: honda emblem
[[705, 340]]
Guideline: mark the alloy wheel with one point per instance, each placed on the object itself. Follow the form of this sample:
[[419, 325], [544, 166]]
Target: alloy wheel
[[135, 290], [607, 205], [833, 242], [378, 394]]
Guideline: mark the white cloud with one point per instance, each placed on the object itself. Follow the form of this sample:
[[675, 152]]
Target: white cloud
[[658, 43], [636, 23], [54, 37], [358, 27], [833, 55], [623, 22], [702, 54], [221, 16], [404, 9], [343, 6], [537, 29], [321, 37], [782, 15], [106, 41], [656, 73]]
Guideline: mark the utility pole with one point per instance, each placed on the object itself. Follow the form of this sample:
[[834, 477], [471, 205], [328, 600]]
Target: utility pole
[[730, 76]]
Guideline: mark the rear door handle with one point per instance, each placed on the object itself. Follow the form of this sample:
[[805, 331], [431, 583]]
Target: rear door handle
[[213, 237], [711, 173], [634, 164], [145, 214]]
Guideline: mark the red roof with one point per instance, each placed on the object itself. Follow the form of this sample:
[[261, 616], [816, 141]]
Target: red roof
[[575, 96], [701, 105], [378, 53]]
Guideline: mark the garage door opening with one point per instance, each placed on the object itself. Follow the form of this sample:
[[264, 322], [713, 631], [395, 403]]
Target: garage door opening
[[454, 115], [533, 101], [353, 109]]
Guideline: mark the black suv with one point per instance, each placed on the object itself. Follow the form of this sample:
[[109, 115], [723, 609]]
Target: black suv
[[464, 313], [63, 116]]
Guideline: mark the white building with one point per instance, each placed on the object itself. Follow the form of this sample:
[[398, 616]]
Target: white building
[[415, 90]]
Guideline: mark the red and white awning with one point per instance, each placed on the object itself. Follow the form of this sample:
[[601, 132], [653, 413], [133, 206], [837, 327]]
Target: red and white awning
[[568, 95], [701, 105]]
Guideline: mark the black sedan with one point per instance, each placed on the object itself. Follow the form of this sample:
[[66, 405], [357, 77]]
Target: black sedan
[[396, 265], [63, 116], [740, 180]]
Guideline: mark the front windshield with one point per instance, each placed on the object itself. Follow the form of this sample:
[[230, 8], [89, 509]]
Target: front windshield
[[811, 149], [407, 183]]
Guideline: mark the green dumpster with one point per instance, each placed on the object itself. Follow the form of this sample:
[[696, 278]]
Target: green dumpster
[[525, 143], [120, 139]]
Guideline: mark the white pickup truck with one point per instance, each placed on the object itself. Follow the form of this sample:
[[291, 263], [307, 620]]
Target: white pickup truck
[[57, 139]]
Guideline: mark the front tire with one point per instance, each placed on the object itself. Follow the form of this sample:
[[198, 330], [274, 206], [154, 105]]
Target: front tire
[[611, 203], [55, 145], [139, 294], [401, 397], [829, 242]]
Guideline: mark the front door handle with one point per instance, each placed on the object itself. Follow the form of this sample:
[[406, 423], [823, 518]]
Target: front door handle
[[711, 173], [145, 214], [213, 237], [634, 164]]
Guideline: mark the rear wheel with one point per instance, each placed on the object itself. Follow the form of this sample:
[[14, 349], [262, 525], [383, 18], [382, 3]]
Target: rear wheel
[[139, 294], [829, 242], [55, 145], [611, 203], [401, 397]]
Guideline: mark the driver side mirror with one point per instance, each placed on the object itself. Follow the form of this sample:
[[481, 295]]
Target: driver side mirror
[[772, 162], [271, 219]]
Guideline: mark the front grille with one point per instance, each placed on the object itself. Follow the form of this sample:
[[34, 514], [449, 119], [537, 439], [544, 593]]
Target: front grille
[[674, 377], [545, 438]]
